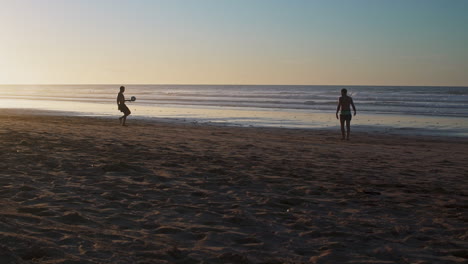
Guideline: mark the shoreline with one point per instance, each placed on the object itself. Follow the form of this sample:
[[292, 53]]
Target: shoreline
[[457, 134], [87, 190]]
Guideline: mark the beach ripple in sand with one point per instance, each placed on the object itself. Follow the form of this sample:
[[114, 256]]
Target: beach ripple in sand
[[82, 190]]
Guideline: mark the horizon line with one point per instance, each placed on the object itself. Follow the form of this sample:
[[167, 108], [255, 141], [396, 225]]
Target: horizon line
[[219, 84]]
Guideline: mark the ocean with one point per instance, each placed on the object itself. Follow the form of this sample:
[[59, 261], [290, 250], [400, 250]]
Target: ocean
[[393, 109]]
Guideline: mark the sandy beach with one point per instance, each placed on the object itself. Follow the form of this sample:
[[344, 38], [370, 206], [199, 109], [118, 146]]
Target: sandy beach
[[86, 190]]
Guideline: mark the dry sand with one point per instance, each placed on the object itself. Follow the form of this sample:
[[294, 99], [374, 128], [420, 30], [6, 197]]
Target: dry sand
[[85, 190]]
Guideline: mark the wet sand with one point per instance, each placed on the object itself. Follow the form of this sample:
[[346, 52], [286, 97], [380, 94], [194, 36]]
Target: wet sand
[[86, 190]]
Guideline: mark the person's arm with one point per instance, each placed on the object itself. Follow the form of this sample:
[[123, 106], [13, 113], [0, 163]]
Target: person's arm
[[338, 107], [352, 104], [119, 99]]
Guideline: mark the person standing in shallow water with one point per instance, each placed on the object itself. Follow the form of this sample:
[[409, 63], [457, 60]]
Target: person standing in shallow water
[[344, 103], [122, 106]]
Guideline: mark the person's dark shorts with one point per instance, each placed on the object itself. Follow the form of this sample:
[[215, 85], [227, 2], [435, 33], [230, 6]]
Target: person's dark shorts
[[124, 109], [346, 117]]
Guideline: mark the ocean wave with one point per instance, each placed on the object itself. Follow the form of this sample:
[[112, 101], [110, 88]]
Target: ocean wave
[[444, 101]]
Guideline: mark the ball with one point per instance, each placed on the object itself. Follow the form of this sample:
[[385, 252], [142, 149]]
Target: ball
[[133, 98]]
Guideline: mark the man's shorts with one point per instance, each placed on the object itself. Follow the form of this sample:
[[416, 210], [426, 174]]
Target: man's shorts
[[124, 109], [346, 117]]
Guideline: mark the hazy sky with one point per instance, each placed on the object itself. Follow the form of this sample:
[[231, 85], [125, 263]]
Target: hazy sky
[[354, 42]]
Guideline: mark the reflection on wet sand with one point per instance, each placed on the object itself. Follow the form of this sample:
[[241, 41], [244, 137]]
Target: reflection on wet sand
[[260, 117]]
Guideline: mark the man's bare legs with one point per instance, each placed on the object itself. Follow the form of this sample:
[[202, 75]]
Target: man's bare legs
[[342, 121], [348, 129], [123, 119]]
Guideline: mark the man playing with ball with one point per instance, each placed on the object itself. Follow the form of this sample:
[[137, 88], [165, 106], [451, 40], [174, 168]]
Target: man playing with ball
[[122, 107]]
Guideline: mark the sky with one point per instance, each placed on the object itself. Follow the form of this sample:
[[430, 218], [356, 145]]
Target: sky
[[303, 42]]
